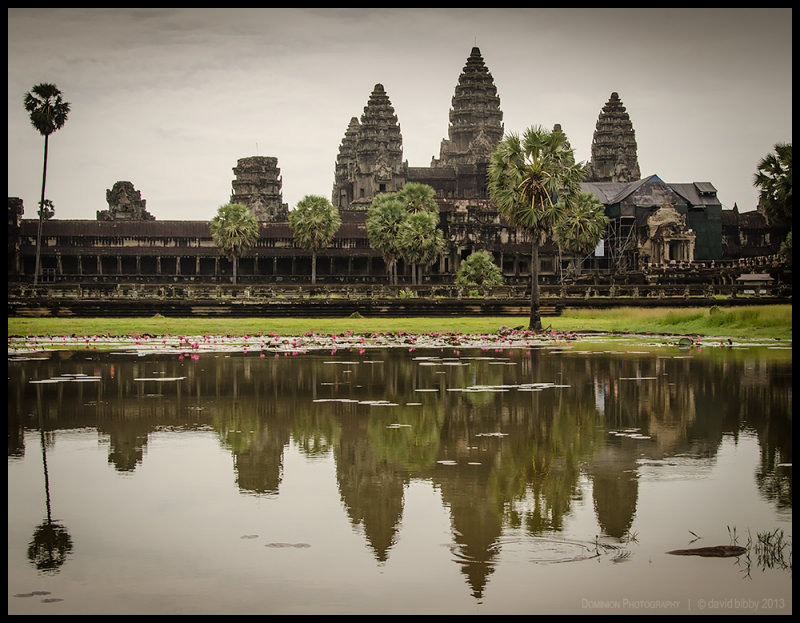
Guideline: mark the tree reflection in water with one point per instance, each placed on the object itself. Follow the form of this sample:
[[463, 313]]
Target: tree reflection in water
[[51, 543], [508, 438]]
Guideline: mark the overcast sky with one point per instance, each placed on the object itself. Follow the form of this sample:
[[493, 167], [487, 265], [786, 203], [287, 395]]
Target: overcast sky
[[170, 99]]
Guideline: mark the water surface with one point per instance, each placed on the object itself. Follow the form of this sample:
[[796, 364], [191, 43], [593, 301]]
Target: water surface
[[398, 480]]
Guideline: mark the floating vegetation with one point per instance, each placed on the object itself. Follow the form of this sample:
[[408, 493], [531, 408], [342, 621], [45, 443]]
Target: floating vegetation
[[631, 433], [287, 545], [772, 550], [69, 378], [714, 551]]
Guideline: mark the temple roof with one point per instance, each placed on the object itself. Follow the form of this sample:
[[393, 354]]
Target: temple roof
[[696, 194]]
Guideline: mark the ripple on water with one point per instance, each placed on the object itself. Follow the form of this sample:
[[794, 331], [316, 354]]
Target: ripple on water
[[543, 550]]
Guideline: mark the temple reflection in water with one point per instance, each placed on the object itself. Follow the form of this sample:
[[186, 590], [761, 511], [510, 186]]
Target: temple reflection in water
[[506, 437]]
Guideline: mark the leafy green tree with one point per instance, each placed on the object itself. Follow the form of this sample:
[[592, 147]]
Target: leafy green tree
[[531, 180], [420, 241], [48, 113], [384, 220], [314, 222], [479, 271], [773, 178], [582, 225], [234, 230]]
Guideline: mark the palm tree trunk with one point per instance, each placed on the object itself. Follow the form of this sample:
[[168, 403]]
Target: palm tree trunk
[[41, 217], [235, 267], [313, 267], [535, 323]]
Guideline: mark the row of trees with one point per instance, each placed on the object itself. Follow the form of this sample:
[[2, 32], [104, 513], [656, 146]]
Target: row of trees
[[404, 225], [533, 179]]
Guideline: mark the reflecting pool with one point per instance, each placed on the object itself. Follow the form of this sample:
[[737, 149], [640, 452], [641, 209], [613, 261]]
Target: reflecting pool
[[550, 479]]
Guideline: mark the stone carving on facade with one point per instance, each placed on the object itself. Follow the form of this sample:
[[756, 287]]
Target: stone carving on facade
[[125, 203], [667, 238]]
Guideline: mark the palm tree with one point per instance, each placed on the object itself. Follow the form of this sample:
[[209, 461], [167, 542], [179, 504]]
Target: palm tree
[[48, 113], [582, 225], [530, 180], [234, 229], [314, 222], [420, 241], [384, 220], [773, 178], [419, 198]]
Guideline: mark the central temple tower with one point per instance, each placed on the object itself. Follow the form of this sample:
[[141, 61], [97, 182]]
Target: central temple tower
[[476, 121]]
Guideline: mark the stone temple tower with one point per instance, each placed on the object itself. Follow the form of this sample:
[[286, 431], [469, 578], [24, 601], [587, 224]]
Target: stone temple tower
[[476, 121], [370, 159], [258, 186], [614, 157]]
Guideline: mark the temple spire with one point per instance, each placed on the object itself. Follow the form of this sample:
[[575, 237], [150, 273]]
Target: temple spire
[[614, 157], [476, 121], [371, 155]]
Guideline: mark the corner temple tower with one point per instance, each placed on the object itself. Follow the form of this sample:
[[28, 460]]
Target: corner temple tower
[[614, 156]]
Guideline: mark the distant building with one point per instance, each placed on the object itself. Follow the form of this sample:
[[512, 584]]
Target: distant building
[[651, 221]]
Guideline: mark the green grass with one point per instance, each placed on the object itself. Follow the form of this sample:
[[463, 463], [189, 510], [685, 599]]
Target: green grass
[[770, 321]]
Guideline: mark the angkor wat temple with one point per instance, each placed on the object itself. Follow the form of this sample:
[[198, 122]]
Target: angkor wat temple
[[653, 222]]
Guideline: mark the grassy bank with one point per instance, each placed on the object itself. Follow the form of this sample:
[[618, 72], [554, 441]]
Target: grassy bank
[[772, 321]]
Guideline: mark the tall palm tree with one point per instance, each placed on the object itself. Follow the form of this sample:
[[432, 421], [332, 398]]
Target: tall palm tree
[[314, 222], [48, 112], [530, 179], [582, 225], [234, 230]]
